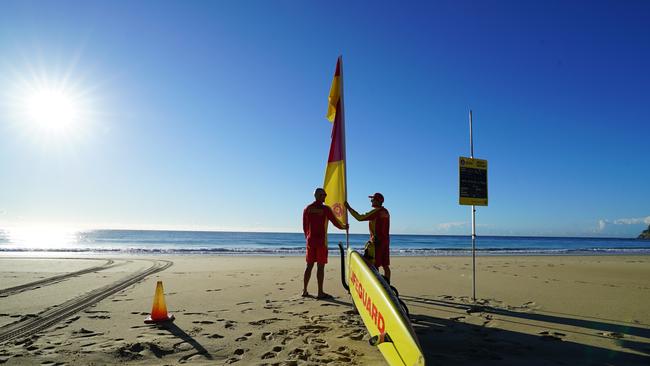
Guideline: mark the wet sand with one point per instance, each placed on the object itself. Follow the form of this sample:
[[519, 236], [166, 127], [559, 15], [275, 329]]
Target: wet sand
[[248, 311]]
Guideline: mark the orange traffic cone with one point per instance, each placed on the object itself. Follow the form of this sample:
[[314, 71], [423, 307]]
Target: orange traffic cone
[[159, 310]]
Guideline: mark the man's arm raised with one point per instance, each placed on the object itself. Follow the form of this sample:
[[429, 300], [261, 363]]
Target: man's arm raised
[[365, 217]]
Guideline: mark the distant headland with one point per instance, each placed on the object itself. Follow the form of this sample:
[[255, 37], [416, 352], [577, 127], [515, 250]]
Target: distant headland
[[645, 234]]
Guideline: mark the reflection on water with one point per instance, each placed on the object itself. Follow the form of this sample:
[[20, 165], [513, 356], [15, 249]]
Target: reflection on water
[[43, 237]]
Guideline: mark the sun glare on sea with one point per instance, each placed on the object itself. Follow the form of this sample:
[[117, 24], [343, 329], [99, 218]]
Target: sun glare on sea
[[41, 237]]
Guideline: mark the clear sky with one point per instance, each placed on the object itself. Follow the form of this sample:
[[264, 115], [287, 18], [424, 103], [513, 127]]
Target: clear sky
[[211, 114]]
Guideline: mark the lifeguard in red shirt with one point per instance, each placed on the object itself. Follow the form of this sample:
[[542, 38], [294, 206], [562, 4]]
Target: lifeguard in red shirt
[[314, 224], [379, 225]]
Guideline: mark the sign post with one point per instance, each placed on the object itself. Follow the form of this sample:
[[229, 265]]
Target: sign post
[[472, 191]]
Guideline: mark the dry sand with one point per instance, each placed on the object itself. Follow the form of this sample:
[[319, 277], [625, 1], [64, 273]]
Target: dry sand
[[534, 310]]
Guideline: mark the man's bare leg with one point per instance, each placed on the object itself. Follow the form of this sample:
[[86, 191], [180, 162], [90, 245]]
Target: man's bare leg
[[306, 278], [387, 273], [320, 275]]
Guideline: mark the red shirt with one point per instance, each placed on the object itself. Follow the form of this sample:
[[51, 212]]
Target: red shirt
[[314, 221], [379, 224]]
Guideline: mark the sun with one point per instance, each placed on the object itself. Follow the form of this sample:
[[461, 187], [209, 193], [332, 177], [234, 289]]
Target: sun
[[52, 109], [49, 106]]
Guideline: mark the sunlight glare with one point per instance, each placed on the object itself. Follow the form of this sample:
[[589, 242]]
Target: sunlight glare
[[41, 237], [52, 109]]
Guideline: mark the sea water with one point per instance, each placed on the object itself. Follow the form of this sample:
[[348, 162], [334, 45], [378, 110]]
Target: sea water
[[257, 243]]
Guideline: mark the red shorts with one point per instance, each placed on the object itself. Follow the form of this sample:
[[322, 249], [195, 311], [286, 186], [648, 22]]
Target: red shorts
[[382, 257], [317, 253]]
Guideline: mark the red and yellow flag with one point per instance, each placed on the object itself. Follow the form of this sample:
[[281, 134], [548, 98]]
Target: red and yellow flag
[[335, 174]]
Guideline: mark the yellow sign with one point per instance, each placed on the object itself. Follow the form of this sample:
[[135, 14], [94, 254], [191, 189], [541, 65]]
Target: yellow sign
[[473, 181]]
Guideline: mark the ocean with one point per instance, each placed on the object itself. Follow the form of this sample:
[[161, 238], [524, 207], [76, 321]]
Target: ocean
[[254, 243]]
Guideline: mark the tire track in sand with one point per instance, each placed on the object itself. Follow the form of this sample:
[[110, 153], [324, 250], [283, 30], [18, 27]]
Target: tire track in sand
[[54, 279], [47, 318]]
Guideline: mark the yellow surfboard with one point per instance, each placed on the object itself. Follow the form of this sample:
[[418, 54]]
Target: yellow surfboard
[[389, 327]]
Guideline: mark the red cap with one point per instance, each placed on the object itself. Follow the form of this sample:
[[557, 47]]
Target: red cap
[[378, 196]]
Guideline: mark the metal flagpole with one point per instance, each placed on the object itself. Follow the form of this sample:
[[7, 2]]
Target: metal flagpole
[[345, 163], [471, 148]]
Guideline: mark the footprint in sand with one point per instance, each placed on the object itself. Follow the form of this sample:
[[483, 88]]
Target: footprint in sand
[[552, 336], [73, 319], [116, 300], [84, 333], [230, 324], [314, 329], [244, 337], [202, 322], [317, 343], [298, 313], [615, 335], [299, 353], [88, 344], [215, 336], [267, 336], [346, 354], [287, 337], [191, 357], [268, 304], [356, 335], [265, 321]]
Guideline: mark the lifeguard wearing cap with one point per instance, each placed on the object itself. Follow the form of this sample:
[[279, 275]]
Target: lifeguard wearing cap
[[379, 226], [378, 196]]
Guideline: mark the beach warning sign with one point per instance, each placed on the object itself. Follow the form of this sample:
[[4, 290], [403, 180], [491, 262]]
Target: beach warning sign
[[473, 181]]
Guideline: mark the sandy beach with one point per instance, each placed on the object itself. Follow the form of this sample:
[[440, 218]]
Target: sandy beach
[[537, 310]]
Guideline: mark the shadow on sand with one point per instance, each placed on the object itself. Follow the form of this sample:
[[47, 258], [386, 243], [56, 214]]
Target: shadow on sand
[[180, 333], [451, 341]]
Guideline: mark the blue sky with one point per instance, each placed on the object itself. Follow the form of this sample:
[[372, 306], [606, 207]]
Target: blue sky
[[211, 115]]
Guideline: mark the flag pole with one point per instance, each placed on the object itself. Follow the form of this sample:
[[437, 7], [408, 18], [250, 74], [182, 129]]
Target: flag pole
[[471, 148], [345, 166]]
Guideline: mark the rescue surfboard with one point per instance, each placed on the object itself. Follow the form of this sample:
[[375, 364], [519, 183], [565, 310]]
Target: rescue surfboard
[[387, 322]]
